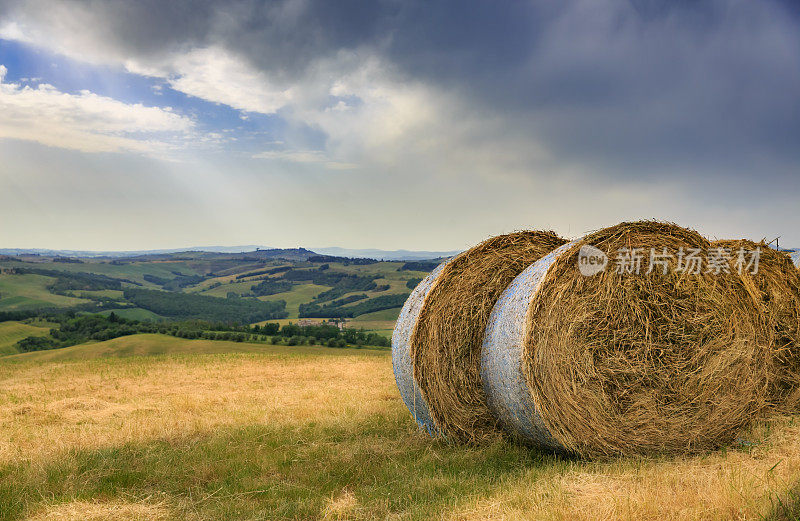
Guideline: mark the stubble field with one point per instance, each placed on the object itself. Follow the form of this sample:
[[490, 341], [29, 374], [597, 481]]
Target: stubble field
[[150, 427]]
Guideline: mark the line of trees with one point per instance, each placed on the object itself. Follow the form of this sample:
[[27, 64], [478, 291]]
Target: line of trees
[[342, 260], [362, 308], [70, 281], [419, 265], [73, 330], [183, 306]]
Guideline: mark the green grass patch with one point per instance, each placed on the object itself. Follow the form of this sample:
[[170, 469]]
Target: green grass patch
[[133, 314], [380, 464], [134, 271], [300, 294], [13, 332], [30, 291], [108, 293], [384, 315]]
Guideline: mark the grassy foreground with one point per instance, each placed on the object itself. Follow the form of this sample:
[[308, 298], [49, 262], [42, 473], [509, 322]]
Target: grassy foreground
[[191, 429]]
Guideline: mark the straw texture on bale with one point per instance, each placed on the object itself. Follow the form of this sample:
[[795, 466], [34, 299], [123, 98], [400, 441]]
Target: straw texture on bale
[[776, 288], [401, 351], [446, 343], [626, 363]]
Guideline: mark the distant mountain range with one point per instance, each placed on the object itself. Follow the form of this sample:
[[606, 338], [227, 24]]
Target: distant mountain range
[[385, 254], [129, 253], [339, 252]]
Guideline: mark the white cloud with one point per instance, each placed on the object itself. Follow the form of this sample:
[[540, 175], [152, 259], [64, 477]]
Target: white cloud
[[84, 121], [12, 31], [392, 116], [212, 74], [304, 156]]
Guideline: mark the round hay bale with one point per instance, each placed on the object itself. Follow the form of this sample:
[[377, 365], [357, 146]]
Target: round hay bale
[[624, 363], [446, 343], [775, 285], [401, 351]]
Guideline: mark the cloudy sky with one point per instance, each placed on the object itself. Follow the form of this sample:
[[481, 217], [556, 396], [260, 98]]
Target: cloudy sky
[[392, 123]]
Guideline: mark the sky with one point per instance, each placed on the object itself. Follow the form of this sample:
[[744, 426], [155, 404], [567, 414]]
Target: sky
[[392, 123]]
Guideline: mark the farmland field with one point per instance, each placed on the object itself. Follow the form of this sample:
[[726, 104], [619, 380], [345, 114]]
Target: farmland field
[[12, 332], [328, 287], [154, 427], [298, 295], [30, 291]]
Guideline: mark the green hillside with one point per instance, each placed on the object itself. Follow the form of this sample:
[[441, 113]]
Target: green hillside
[[300, 294], [223, 291], [12, 332], [30, 291], [152, 345]]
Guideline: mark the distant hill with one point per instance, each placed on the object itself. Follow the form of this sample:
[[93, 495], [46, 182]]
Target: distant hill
[[154, 345], [260, 251], [393, 255], [129, 253]]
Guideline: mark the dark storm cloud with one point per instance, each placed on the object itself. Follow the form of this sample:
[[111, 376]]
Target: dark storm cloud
[[639, 86]]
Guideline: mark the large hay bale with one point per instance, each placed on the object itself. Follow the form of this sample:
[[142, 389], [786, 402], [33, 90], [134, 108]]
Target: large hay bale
[[617, 363], [775, 284], [446, 343]]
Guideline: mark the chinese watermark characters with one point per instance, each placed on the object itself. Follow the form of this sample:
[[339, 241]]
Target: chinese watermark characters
[[691, 261]]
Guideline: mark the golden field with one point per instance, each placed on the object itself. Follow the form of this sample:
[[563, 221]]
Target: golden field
[[150, 427]]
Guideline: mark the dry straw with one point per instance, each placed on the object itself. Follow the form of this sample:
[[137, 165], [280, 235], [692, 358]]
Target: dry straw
[[445, 347], [775, 286], [616, 363]]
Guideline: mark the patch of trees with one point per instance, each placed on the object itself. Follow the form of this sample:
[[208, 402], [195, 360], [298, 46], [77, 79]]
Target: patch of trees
[[159, 281], [68, 281], [271, 271], [413, 283], [77, 329], [37, 343], [174, 284], [367, 306], [270, 287], [343, 260], [326, 334], [202, 307], [349, 300], [21, 315], [80, 329], [292, 335], [419, 265], [341, 282], [71, 260], [330, 310]]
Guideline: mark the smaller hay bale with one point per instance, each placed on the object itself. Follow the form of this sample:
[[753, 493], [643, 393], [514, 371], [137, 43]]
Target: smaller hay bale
[[446, 343], [401, 351], [775, 286], [622, 363]]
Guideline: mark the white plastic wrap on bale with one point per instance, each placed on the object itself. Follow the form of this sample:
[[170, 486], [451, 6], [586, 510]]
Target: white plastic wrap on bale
[[506, 388], [401, 351]]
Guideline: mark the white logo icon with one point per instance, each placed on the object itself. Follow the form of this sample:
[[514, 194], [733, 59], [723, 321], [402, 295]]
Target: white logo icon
[[591, 260]]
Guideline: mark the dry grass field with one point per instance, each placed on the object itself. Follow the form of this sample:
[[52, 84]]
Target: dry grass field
[[156, 428]]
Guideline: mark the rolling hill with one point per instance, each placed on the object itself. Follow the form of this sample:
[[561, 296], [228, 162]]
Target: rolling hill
[[300, 280], [159, 345]]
